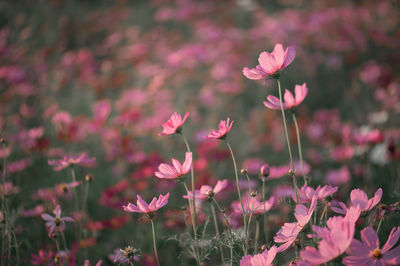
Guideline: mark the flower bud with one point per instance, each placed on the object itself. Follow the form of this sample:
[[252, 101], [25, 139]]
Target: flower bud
[[243, 171], [89, 178], [264, 170]]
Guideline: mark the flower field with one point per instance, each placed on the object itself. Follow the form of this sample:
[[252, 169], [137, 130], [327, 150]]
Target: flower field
[[235, 132]]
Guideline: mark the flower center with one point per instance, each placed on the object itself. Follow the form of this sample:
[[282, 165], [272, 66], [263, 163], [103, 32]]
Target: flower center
[[57, 221], [377, 253]]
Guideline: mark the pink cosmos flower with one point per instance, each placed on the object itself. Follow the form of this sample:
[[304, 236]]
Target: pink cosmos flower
[[360, 198], [253, 205], [223, 129], [207, 191], [174, 124], [271, 63], [280, 171], [263, 259], [289, 101], [306, 193], [336, 238], [143, 207], [81, 159], [368, 252], [43, 258], [176, 170], [338, 176], [56, 224], [289, 231]]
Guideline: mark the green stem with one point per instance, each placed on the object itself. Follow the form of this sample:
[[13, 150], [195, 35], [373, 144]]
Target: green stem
[[229, 228], [193, 223], [288, 141], [256, 236], [3, 205], [238, 191], [217, 231], [16, 248], [299, 147], [379, 225], [264, 214], [154, 242]]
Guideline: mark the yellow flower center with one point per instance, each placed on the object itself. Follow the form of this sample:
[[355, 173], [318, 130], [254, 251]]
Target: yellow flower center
[[377, 253]]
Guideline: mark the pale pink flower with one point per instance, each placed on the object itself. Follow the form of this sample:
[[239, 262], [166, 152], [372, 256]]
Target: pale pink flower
[[335, 238], [271, 63], [176, 170], [142, 206], [368, 252], [253, 205], [289, 101], [223, 129], [280, 171], [338, 176], [306, 193], [360, 198], [289, 231], [57, 223], [81, 159], [207, 191], [263, 259], [174, 124]]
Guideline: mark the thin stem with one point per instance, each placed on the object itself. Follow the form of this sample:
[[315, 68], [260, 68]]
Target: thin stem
[[154, 242], [16, 248], [193, 222], [299, 147], [78, 233], [379, 225], [264, 214], [256, 236], [3, 205], [192, 177], [217, 231], [238, 191], [248, 224], [288, 141], [64, 241], [229, 229], [203, 234]]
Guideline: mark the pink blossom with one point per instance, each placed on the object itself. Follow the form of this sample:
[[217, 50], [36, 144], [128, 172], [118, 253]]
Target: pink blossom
[[368, 252], [336, 238], [143, 207], [174, 124], [223, 129], [360, 198], [263, 259], [81, 159], [306, 193], [368, 137], [279, 171], [289, 101], [56, 224], [289, 231], [176, 170], [207, 191], [271, 63], [338, 176], [43, 258], [253, 205]]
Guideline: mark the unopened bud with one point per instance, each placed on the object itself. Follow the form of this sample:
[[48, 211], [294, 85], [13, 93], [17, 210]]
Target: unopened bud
[[265, 170], [89, 178], [292, 172], [263, 247], [253, 194], [243, 171], [3, 141]]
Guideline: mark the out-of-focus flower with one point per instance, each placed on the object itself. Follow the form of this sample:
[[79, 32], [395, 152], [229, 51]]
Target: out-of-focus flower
[[263, 259], [359, 198], [38, 210], [176, 170], [87, 263], [289, 231], [81, 159], [335, 238], [339, 176], [289, 101], [223, 129], [64, 189], [126, 255], [253, 205], [43, 258], [368, 252], [280, 171], [207, 191], [174, 124], [142, 206], [9, 188], [368, 137], [57, 223], [270, 64], [306, 193], [265, 170]]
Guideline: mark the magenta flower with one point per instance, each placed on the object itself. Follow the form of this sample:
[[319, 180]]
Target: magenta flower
[[143, 207], [368, 252], [81, 159], [271, 63], [174, 124], [207, 191], [57, 223], [176, 170], [289, 101], [306, 193], [253, 205], [335, 239], [263, 259], [360, 198], [223, 129], [43, 258], [289, 231]]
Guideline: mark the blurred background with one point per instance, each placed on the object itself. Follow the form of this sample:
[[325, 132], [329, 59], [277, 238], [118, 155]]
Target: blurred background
[[102, 76]]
